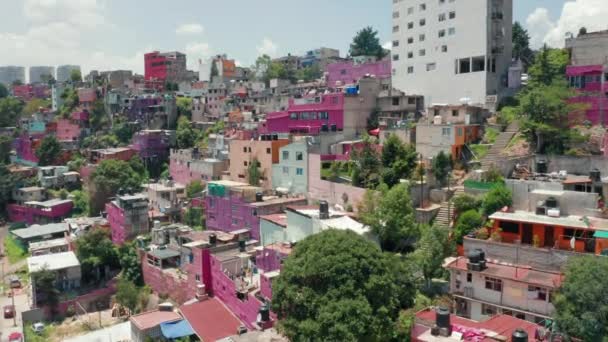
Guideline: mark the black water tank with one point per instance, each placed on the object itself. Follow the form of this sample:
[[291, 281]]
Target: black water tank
[[519, 335], [474, 256], [442, 318], [212, 239], [265, 313], [323, 210], [551, 202], [595, 175], [541, 166], [482, 254], [259, 197]]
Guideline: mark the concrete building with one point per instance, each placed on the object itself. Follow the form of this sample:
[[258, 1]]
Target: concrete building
[[186, 166], [10, 74], [56, 91], [396, 106], [115, 153], [290, 174], [65, 266], [233, 206], [32, 212], [147, 326], [33, 193], [64, 72], [498, 288], [56, 176], [244, 152], [165, 67], [449, 51], [152, 146], [117, 79], [153, 111], [350, 72], [588, 49], [166, 198], [27, 92], [128, 217], [37, 233], [320, 57], [41, 74]]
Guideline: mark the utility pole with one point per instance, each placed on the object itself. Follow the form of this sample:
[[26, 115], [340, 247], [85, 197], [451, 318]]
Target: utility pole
[[14, 309], [421, 182]]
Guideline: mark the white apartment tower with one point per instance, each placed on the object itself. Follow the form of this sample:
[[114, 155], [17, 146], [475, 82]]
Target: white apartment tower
[[452, 50]]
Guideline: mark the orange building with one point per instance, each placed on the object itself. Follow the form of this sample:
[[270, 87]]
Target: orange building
[[243, 152]]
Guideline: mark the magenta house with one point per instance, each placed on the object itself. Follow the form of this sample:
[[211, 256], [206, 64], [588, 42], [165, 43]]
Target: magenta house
[[151, 144], [25, 148], [128, 217], [308, 115], [40, 212], [232, 206], [589, 83], [343, 73], [67, 130]]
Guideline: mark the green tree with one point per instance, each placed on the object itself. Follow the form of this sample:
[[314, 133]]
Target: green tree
[[130, 264], [253, 172], [549, 65], [277, 70], [46, 288], [34, 105], [193, 217], [6, 144], [81, 203], [464, 202], [431, 250], [127, 294], [367, 43], [366, 165], [214, 71], [107, 178], [3, 91], [7, 183], [393, 220], [521, 44], [123, 132], [496, 199], [70, 102], [261, 66], [398, 160], [49, 151], [581, 303], [75, 76], [95, 251], [467, 223], [337, 286], [184, 107], [194, 189], [309, 73], [186, 136], [442, 163], [10, 111], [99, 118]]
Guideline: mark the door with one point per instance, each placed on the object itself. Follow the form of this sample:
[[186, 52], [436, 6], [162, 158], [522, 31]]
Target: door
[[549, 237], [526, 236]]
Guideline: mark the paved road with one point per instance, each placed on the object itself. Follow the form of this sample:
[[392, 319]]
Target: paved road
[[115, 333], [6, 325]]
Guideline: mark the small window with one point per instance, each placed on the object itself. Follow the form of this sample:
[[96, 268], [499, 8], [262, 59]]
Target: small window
[[422, 52], [494, 284], [459, 131], [423, 7], [452, 31], [421, 37], [395, 29], [431, 66], [410, 25], [268, 151], [410, 40], [469, 277], [411, 100], [395, 57], [245, 163], [299, 156], [452, 15], [537, 293], [422, 22], [293, 116], [197, 278], [245, 149], [488, 310], [304, 116], [444, 48], [446, 132], [410, 69], [395, 43], [285, 155], [299, 171], [410, 10], [479, 63], [442, 17], [441, 33], [454, 112], [285, 170], [395, 14], [323, 116], [410, 55], [465, 65], [343, 72], [395, 101]]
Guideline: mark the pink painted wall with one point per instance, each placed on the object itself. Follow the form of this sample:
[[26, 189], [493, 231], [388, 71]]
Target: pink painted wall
[[348, 73], [22, 213], [116, 219], [282, 122], [180, 290], [591, 96], [332, 192], [25, 147], [269, 259], [67, 130], [181, 173], [89, 299], [266, 287]]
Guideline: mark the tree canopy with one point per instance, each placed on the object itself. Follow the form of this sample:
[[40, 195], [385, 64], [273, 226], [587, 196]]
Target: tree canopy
[[75, 76], [366, 165], [127, 294], [367, 43], [581, 303], [107, 178], [521, 44], [5, 149], [95, 251], [49, 151], [34, 105], [467, 222], [10, 111], [442, 164], [497, 198], [129, 263], [398, 160], [254, 174], [337, 286], [184, 107], [431, 250], [46, 288], [185, 134], [194, 188], [3, 91]]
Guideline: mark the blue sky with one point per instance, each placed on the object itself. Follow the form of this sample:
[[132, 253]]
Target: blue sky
[[104, 34]]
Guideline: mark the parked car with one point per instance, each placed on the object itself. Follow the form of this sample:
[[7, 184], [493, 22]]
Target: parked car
[[15, 337], [38, 327], [9, 311]]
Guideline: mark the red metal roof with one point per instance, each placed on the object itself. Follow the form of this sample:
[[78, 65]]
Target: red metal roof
[[210, 319], [151, 319], [278, 219]]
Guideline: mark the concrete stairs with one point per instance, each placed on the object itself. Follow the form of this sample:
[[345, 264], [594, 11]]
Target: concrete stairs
[[502, 141], [442, 218]]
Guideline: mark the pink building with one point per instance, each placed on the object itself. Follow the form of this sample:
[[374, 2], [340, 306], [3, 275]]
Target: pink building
[[40, 212], [128, 217], [152, 144], [232, 206], [589, 83], [186, 166], [343, 73], [67, 130], [118, 153], [265, 151], [25, 147], [30, 91], [86, 97]]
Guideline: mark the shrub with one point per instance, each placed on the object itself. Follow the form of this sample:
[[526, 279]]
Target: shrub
[[464, 202], [482, 234], [496, 199], [467, 223]]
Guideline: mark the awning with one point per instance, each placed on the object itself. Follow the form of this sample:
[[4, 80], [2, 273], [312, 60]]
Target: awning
[[176, 329], [601, 234]]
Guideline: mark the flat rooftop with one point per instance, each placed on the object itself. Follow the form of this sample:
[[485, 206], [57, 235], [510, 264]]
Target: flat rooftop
[[39, 231], [49, 203], [48, 244], [278, 219], [31, 189], [151, 319], [572, 221], [278, 200], [52, 262]]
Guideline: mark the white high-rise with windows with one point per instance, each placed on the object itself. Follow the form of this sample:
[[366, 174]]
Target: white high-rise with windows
[[452, 51]]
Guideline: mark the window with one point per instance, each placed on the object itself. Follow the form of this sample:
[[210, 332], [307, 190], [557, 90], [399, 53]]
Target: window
[[410, 69], [494, 284], [343, 72], [410, 10], [452, 15], [395, 29], [235, 221], [245, 149], [423, 7], [464, 66], [395, 57], [410, 25], [197, 278], [395, 101], [323, 116], [268, 151], [293, 116], [441, 33], [285, 170], [395, 43], [299, 171], [410, 55], [537, 293], [411, 100], [509, 227], [459, 132], [489, 310], [422, 52], [422, 22], [441, 2], [299, 156], [479, 63], [410, 40], [431, 66], [455, 112], [304, 116], [421, 37], [452, 31], [245, 163], [444, 48], [285, 155], [395, 14], [469, 277], [313, 116], [446, 131], [442, 17]]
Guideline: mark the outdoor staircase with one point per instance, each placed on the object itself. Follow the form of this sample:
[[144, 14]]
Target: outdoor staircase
[[502, 141], [442, 218]]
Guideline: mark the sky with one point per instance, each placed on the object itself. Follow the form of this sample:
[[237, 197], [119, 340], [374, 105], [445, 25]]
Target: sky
[[114, 34]]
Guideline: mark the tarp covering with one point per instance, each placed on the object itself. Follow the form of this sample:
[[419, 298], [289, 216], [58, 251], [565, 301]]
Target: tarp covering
[[176, 329], [601, 234]]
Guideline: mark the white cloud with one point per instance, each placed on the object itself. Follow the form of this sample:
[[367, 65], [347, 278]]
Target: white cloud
[[190, 29], [268, 47], [575, 14], [196, 51]]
